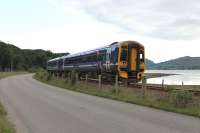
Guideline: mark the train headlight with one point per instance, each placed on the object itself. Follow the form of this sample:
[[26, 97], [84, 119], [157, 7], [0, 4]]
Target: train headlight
[[140, 75]]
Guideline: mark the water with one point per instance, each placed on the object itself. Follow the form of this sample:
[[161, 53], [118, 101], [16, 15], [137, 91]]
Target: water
[[188, 77]]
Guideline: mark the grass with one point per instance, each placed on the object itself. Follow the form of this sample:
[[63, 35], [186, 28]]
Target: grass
[[7, 74], [124, 94], [5, 125]]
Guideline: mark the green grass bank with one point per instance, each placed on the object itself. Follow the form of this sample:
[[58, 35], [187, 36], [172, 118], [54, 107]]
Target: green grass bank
[[179, 101]]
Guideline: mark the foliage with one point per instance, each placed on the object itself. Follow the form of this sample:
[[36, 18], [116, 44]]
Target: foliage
[[7, 74], [23, 59], [42, 73], [5, 125], [180, 98], [49, 76]]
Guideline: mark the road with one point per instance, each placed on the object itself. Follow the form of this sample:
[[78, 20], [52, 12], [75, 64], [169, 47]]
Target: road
[[35, 107]]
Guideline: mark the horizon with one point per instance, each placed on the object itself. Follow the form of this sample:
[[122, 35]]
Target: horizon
[[167, 29]]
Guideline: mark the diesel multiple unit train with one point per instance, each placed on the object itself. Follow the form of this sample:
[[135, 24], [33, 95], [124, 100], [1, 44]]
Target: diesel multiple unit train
[[126, 59]]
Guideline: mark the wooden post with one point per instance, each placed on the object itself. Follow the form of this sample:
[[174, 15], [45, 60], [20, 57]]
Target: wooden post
[[68, 77], [57, 75], [99, 81], [73, 77], [116, 83], [63, 75], [144, 87], [182, 83], [76, 77], [163, 82], [126, 82], [86, 78]]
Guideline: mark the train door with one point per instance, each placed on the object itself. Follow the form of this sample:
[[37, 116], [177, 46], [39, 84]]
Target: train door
[[123, 60], [108, 56], [133, 59]]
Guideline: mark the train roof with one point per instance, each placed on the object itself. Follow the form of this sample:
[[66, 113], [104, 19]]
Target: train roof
[[115, 44], [89, 51], [55, 59]]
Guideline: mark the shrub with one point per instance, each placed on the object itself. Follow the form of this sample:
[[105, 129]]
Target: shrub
[[180, 98], [115, 90], [49, 76], [34, 69], [41, 73], [169, 88]]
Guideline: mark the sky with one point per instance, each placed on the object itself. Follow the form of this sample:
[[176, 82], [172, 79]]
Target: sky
[[167, 28]]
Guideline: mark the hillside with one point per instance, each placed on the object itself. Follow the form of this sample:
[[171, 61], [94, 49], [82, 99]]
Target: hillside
[[23, 59], [179, 63], [150, 64]]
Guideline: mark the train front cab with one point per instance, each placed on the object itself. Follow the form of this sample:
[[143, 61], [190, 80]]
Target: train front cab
[[131, 60]]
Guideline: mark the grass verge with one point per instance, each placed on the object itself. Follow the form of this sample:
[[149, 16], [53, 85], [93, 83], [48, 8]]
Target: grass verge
[[5, 125], [7, 74], [129, 95]]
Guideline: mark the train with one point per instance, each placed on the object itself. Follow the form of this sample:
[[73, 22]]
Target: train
[[125, 59]]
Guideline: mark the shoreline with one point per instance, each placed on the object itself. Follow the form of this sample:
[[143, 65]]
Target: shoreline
[[157, 75]]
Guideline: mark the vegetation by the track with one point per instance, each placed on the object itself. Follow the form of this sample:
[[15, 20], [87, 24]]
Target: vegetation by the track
[[180, 101], [5, 125]]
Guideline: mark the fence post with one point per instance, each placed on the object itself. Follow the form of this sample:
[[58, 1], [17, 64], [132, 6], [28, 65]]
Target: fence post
[[163, 82], [68, 77], [86, 78], [76, 77], [144, 87], [57, 75], [116, 83], [99, 81], [73, 77]]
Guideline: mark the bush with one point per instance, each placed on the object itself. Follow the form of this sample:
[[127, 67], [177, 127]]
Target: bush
[[49, 76], [41, 73], [180, 98], [169, 88]]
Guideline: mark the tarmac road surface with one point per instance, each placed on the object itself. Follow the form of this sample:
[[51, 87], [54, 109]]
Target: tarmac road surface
[[35, 107]]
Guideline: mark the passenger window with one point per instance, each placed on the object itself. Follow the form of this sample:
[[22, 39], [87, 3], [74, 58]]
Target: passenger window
[[123, 55]]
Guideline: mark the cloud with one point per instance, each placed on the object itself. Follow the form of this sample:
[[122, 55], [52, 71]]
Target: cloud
[[165, 19]]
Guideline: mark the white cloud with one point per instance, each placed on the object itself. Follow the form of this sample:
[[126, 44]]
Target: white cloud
[[166, 19]]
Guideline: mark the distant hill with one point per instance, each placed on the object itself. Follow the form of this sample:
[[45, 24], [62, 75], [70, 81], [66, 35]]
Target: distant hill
[[150, 64], [23, 59], [186, 62]]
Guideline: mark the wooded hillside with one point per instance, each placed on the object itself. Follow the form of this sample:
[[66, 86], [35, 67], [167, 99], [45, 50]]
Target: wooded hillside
[[12, 57]]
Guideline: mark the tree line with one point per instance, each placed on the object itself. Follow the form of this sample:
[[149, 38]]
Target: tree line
[[14, 58]]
